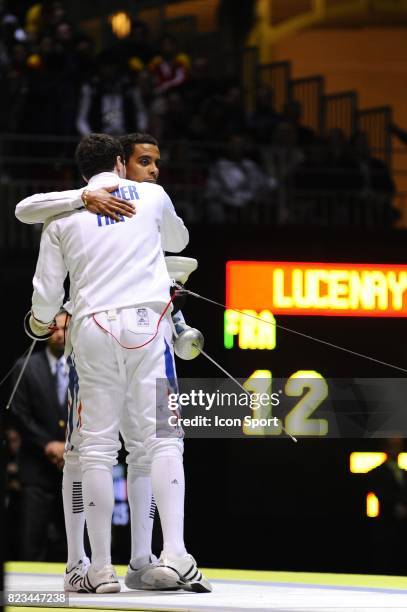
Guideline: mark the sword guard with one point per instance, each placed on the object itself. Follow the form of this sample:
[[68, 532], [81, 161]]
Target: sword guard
[[189, 343]]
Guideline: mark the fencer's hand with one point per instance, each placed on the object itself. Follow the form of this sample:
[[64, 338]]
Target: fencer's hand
[[101, 201], [54, 451], [40, 330]]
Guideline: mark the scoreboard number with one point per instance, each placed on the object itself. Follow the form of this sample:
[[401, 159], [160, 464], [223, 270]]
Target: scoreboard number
[[261, 382], [312, 390], [298, 421]]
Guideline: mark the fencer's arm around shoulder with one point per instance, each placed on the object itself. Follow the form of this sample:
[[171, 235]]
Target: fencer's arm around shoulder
[[41, 206], [174, 234], [48, 281]]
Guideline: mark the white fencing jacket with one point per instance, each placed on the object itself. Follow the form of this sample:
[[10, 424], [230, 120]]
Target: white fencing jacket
[[110, 264]]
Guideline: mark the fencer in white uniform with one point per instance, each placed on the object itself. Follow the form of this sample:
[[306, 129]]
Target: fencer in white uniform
[[120, 287], [38, 208], [142, 503]]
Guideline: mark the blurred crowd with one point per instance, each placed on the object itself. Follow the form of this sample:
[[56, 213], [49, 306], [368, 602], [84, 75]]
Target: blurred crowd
[[220, 162]]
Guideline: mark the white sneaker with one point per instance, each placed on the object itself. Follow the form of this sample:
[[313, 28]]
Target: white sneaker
[[144, 578], [102, 581], [73, 577], [182, 573]]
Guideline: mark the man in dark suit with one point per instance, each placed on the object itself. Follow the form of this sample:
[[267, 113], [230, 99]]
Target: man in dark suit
[[389, 530], [40, 408]]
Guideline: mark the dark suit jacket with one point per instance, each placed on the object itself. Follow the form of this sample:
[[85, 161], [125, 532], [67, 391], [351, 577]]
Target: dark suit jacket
[[40, 419], [390, 492]]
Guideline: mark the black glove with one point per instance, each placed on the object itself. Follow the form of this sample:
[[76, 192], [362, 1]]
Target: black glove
[[179, 300]]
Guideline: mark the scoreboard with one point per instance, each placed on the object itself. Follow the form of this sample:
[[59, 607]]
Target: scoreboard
[[260, 293], [296, 288]]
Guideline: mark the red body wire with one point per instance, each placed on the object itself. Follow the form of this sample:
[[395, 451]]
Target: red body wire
[[131, 348]]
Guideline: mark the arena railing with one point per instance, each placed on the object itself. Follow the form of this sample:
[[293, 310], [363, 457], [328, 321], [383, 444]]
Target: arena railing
[[24, 172], [323, 209], [309, 92], [276, 76], [339, 111]]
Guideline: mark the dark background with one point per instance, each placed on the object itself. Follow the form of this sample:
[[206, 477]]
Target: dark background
[[253, 503], [265, 503]]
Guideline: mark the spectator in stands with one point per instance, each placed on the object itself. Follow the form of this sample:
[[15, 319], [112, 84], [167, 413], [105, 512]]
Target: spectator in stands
[[213, 116], [42, 17], [342, 173], [198, 131], [41, 112], [309, 200], [65, 68], [40, 410], [234, 111], [10, 34], [14, 90], [327, 184], [185, 180], [224, 114], [283, 160], [264, 119], [375, 172], [109, 102], [135, 50], [377, 187], [176, 117], [140, 83], [64, 36], [19, 9], [170, 68], [311, 172], [293, 114], [85, 58], [201, 85], [236, 184]]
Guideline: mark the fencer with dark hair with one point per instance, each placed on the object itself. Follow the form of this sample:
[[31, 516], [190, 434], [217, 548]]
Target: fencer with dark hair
[[142, 157], [175, 561]]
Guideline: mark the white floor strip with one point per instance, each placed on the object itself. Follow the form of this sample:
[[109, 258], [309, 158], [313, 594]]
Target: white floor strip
[[233, 596]]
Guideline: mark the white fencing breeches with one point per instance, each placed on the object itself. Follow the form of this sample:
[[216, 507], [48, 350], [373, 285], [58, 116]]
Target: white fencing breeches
[[109, 373], [138, 459]]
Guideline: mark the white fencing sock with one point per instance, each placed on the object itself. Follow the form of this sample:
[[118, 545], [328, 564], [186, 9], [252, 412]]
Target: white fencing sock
[[98, 497], [142, 509], [168, 482], [73, 512]]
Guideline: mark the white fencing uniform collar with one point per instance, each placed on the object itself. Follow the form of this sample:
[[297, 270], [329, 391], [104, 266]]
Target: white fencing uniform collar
[[103, 179]]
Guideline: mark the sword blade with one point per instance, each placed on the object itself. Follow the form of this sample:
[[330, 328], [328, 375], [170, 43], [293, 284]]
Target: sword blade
[[220, 368], [34, 342]]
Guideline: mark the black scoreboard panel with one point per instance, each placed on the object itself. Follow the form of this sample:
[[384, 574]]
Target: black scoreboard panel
[[381, 338]]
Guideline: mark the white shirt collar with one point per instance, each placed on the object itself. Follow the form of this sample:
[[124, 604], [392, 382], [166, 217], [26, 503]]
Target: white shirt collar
[[103, 179]]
